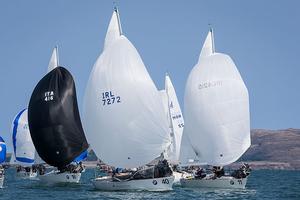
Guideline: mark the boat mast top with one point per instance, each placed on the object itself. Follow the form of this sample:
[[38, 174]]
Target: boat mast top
[[57, 56], [118, 17], [212, 37]]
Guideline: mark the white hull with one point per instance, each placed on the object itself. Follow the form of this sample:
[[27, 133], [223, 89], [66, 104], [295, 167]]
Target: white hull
[[1, 181], [180, 175], [222, 182], [54, 177], [155, 184], [26, 175]]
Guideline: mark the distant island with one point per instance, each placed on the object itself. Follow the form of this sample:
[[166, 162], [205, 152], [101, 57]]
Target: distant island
[[270, 149]]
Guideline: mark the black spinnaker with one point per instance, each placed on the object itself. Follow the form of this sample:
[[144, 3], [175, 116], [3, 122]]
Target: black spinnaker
[[54, 120]]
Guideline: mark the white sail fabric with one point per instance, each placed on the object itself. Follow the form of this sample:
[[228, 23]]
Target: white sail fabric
[[176, 119], [22, 144], [164, 98], [169, 153], [123, 114], [53, 63], [114, 30], [38, 160], [187, 153], [216, 101], [208, 47]]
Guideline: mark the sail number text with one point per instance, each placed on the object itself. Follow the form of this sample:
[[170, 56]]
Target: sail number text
[[165, 181], [109, 98], [178, 118], [49, 96], [209, 84]]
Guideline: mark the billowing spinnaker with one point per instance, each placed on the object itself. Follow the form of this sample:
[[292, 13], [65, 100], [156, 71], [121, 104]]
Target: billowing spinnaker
[[54, 120], [123, 113], [23, 147], [217, 111]]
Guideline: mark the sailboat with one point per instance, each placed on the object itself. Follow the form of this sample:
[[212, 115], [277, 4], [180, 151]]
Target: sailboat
[[55, 125], [2, 160], [217, 122], [23, 149], [176, 124], [123, 115]]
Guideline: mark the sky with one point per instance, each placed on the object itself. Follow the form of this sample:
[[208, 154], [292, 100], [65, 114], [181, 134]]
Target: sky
[[262, 37]]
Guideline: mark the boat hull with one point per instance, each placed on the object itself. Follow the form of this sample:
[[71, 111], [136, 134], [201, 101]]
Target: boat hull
[[26, 175], [222, 182], [54, 177], [180, 175], [155, 184]]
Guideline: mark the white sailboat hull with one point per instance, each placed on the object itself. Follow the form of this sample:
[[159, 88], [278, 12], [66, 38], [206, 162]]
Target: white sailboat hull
[[180, 175], [1, 181], [54, 177], [155, 184], [26, 175], [177, 177], [222, 182]]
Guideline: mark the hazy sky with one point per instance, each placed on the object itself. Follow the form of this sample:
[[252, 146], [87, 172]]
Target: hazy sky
[[262, 37]]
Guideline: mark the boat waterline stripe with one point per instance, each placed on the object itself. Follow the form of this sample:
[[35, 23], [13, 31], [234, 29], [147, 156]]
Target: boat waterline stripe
[[15, 128]]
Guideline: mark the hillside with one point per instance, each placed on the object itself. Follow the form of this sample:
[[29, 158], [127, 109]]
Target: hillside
[[274, 149], [270, 149]]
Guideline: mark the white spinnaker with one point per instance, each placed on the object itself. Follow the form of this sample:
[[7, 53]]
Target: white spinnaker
[[22, 144], [53, 63], [123, 114], [216, 103], [176, 118]]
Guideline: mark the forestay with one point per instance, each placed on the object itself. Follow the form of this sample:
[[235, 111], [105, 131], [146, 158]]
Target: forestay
[[23, 148], [216, 102], [123, 112]]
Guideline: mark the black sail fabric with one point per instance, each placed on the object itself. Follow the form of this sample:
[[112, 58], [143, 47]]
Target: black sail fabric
[[54, 120]]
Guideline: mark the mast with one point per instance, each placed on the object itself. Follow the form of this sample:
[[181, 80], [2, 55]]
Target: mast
[[119, 21], [212, 39], [57, 56]]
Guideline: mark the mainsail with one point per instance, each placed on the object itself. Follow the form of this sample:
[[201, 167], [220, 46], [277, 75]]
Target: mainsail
[[53, 63], [123, 112], [2, 150], [175, 118], [23, 148], [216, 103], [81, 157], [54, 120]]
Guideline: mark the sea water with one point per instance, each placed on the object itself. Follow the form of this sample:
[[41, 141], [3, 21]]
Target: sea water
[[262, 184]]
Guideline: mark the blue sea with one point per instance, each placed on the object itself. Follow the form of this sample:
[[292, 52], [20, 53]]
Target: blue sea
[[262, 184]]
